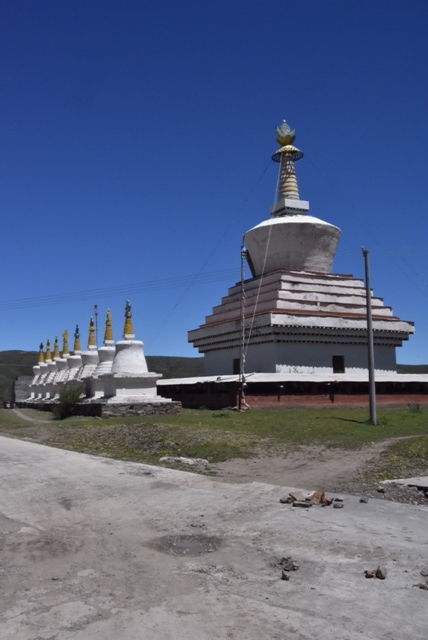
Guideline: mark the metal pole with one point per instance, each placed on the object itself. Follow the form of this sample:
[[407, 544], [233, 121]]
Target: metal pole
[[96, 323], [372, 385]]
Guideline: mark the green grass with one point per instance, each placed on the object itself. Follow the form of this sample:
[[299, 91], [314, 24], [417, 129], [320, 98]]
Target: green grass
[[403, 459], [221, 435]]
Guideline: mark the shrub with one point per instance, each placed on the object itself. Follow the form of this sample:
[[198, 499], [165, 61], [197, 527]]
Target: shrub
[[68, 400]]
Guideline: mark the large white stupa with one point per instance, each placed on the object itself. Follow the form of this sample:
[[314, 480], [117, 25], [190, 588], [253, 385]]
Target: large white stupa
[[294, 316]]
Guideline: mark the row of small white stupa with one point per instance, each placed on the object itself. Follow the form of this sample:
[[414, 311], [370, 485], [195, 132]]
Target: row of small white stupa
[[114, 373]]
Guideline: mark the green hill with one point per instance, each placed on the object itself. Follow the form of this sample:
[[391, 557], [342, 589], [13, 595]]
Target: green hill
[[412, 368], [12, 365], [20, 363]]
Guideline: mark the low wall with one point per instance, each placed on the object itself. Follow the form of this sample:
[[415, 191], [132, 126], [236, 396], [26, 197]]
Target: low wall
[[144, 409], [103, 410]]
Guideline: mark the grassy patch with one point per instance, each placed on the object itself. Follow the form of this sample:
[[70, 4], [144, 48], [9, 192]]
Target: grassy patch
[[216, 435], [404, 459], [149, 442]]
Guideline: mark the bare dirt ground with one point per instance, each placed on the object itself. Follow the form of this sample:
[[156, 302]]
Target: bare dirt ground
[[330, 470], [308, 467]]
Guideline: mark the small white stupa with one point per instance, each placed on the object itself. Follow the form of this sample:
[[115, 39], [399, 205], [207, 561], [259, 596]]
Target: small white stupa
[[89, 360], [54, 369], [130, 382], [52, 372], [74, 361], [45, 373], [99, 383], [36, 375], [61, 363]]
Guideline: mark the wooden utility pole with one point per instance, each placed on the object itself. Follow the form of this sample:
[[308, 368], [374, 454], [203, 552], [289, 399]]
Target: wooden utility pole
[[372, 385], [241, 384]]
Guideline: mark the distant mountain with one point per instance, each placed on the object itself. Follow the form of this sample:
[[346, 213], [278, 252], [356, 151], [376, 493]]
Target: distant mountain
[[412, 368], [12, 365], [20, 363]]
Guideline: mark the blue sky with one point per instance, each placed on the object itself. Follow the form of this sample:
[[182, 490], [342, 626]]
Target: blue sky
[[135, 152]]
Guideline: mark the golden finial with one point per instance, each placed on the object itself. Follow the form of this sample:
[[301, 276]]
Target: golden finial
[[56, 348], [48, 350], [285, 137], [128, 330], [91, 339], [77, 346], [108, 333], [41, 357], [284, 134], [65, 351]]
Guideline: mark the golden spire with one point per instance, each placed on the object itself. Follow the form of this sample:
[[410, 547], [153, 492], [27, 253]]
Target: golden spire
[[48, 350], [65, 351], [108, 333], [128, 331], [41, 357], [91, 339], [56, 348], [77, 346], [287, 155]]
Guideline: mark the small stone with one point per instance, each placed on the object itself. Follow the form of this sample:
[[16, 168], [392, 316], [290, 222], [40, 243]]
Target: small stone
[[380, 489], [304, 505], [338, 505], [422, 585], [288, 564], [338, 500], [381, 573], [424, 572], [316, 497], [363, 499], [285, 576], [327, 501], [286, 500], [297, 496]]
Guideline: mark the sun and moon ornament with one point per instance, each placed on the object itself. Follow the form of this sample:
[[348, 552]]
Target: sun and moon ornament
[[285, 137]]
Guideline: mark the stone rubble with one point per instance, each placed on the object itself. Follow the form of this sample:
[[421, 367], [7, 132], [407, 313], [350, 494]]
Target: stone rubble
[[191, 462], [379, 573], [287, 564], [306, 500]]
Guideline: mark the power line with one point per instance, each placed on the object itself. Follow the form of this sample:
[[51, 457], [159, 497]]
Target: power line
[[119, 290]]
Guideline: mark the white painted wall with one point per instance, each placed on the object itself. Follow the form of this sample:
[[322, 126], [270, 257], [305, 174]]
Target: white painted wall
[[298, 358]]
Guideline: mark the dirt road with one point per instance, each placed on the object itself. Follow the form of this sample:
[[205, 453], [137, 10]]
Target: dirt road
[[102, 549]]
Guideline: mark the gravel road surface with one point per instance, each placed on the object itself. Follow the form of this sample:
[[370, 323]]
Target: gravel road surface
[[93, 548]]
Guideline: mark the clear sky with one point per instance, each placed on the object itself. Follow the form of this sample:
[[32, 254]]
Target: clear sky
[[135, 151]]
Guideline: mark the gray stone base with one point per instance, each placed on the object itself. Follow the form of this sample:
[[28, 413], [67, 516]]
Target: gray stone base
[[104, 410], [143, 409]]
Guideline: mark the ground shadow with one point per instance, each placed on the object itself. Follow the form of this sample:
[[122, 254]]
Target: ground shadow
[[347, 420]]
